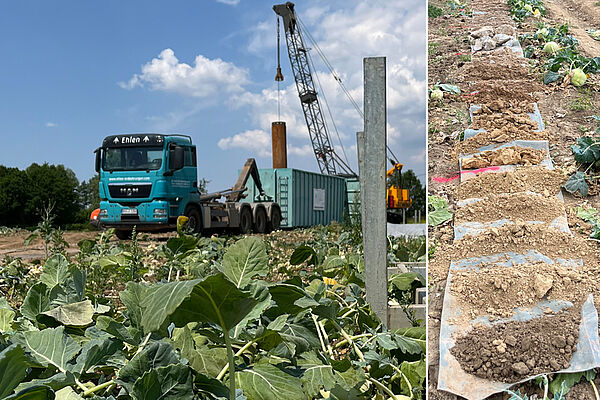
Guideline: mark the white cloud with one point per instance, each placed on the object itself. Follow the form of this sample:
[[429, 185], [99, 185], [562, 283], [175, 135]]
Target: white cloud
[[205, 79], [229, 2], [346, 32], [256, 140], [259, 142], [51, 124]]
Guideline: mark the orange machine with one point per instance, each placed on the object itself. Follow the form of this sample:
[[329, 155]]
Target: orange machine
[[397, 197]]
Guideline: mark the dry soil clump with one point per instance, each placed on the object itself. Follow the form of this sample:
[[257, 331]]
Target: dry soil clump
[[517, 206], [536, 179], [496, 291], [512, 155], [512, 351]]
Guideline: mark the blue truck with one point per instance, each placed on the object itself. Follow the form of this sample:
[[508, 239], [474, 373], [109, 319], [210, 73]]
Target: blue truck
[[148, 180]]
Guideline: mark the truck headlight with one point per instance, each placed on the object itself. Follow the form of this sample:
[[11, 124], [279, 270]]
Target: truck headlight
[[103, 213], [160, 213]]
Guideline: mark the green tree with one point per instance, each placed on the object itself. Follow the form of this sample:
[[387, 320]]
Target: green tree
[[416, 190], [88, 194], [51, 184], [408, 180], [14, 186]]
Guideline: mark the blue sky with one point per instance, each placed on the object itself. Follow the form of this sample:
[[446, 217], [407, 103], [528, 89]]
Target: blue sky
[[73, 72]]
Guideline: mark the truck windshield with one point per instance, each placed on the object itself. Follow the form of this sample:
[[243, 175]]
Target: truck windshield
[[132, 158]]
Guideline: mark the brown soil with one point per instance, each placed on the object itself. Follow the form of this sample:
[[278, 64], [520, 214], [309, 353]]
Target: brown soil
[[503, 135], [495, 13], [535, 179], [13, 245], [484, 80], [514, 94], [520, 238], [582, 391], [495, 116], [496, 291], [513, 155], [517, 206], [580, 14], [511, 351]]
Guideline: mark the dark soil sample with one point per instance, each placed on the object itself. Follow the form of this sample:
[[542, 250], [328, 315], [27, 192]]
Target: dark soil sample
[[510, 352]]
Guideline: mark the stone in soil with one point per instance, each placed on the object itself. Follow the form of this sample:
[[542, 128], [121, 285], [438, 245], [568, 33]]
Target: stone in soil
[[512, 351], [496, 291], [512, 155]]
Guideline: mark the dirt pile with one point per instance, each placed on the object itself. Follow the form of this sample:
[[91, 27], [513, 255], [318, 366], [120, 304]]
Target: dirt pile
[[511, 351], [495, 116], [505, 134], [496, 291], [512, 155], [498, 67], [517, 206], [521, 238], [535, 179]]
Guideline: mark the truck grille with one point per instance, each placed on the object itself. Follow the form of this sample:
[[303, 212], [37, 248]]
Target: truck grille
[[130, 191]]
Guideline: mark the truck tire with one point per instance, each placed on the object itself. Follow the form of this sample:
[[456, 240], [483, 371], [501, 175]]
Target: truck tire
[[275, 221], [245, 220], [260, 220], [123, 234], [195, 221]]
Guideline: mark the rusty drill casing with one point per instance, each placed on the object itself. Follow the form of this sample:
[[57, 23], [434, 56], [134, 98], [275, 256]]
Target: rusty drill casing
[[279, 144]]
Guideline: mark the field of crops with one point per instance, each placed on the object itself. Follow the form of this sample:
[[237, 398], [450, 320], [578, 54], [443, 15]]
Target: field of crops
[[279, 316], [514, 117]]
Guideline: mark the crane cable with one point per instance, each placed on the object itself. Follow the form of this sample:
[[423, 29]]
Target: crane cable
[[278, 75], [341, 83]]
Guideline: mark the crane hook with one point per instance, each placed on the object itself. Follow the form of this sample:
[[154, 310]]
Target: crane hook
[[278, 75]]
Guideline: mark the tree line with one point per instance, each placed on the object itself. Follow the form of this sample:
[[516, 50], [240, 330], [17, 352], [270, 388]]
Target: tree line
[[24, 194]]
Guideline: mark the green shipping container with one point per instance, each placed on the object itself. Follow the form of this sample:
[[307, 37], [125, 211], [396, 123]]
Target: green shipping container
[[306, 198]]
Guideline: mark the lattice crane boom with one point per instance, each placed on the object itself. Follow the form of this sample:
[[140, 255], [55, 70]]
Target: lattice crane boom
[[329, 161]]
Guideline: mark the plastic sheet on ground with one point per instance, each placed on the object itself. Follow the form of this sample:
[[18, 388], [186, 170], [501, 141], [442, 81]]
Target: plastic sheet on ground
[[512, 44], [475, 228], [406, 229], [535, 117], [452, 378], [560, 223], [533, 144], [510, 259]]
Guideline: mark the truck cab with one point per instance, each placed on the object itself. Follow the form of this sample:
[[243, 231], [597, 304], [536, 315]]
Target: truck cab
[[148, 180]]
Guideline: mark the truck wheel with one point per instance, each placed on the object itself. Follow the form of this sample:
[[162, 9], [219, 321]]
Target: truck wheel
[[275, 222], [245, 220], [123, 234], [195, 221], [260, 223]]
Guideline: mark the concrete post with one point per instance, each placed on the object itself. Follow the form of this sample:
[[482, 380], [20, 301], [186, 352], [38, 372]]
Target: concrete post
[[373, 182], [360, 149]]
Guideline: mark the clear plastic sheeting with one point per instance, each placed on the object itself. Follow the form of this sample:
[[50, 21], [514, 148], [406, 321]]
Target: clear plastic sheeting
[[535, 117], [475, 228], [452, 378], [533, 144], [510, 259], [560, 223]]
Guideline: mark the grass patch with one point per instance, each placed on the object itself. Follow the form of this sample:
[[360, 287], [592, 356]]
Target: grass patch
[[432, 48], [583, 102], [434, 12]]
